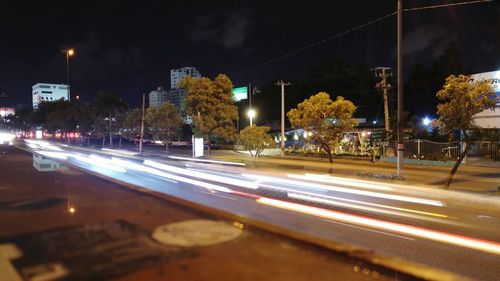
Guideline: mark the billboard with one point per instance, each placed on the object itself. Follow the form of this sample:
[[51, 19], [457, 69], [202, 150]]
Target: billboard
[[240, 93], [489, 118], [6, 111], [493, 77]]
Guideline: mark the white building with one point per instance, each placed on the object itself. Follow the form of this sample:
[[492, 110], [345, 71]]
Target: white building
[[49, 92], [176, 75], [489, 118], [157, 97]]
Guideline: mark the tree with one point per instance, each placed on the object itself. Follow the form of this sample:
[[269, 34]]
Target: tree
[[255, 139], [62, 117], [107, 106], [461, 100], [211, 107], [84, 119], [164, 122], [324, 118], [131, 127]]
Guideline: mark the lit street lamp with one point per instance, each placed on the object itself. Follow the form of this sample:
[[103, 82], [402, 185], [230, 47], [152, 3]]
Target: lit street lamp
[[426, 121], [251, 114], [69, 53]]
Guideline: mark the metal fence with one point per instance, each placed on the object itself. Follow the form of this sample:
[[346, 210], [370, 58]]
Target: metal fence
[[447, 151]]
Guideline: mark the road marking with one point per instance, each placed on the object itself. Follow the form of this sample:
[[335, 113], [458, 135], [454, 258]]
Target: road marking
[[376, 231], [9, 252]]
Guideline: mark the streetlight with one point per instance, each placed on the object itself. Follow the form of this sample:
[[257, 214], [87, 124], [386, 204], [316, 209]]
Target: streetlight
[[69, 53], [251, 113], [426, 121]]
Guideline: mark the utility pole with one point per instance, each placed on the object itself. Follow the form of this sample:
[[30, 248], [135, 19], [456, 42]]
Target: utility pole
[[384, 73], [282, 84], [400, 145], [142, 122]]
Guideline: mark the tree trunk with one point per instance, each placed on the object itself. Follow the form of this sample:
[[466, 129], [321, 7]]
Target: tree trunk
[[455, 167], [208, 148], [120, 142], [88, 141], [103, 140], [328, 152], [330, 157], [166, 145]]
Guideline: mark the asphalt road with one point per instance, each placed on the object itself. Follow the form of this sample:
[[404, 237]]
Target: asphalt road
[[453, 231]]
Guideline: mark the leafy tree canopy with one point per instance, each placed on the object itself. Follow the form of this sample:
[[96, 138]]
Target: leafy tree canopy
[[324, 118]]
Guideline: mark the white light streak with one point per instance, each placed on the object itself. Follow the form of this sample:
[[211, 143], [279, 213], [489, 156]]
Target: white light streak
[[463, 241], [202, 175]]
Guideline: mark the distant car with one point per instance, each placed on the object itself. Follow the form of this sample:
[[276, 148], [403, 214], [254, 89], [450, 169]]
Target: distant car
[[180, 143], [144, 140]]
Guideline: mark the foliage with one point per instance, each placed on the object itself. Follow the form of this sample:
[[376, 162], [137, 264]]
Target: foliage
[[255, 139], [461, 100], [164, 122], [84, 117], [108, 106], [131, 124], [324, 118], [60, 116], [22, 120], [211, 107]]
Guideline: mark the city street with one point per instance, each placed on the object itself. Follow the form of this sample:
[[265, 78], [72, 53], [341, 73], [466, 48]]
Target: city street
[[444, 229]]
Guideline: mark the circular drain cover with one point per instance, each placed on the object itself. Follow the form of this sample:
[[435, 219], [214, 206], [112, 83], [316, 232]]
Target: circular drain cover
[[193, 233]]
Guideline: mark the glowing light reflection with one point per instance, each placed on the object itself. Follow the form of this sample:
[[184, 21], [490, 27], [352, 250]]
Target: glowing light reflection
[[463, 241]]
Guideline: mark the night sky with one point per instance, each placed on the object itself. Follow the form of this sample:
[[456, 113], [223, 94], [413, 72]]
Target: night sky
[[129, 46]]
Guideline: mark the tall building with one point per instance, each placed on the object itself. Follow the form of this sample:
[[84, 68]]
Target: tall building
[[49, 92], [176, 75], [176, 95], [157, 97], [178, 98]]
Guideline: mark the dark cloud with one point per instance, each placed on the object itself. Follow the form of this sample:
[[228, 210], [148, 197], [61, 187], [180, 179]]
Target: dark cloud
[[426, 43], [236, 29], [231, 32]]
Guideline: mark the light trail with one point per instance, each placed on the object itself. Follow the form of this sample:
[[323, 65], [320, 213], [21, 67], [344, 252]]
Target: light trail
[[96, 161], [207, 161], [52, 154], [171, 177], [443, 237], [348, 190], [371, 209], [202, 175], [337, 180]]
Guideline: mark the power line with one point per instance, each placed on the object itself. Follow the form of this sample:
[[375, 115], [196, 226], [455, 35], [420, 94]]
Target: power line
[[446, 5], [355, 29], [316, 43]]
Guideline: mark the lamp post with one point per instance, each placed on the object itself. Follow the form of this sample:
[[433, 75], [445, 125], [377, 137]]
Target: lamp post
[[251, 114], [69, 53]]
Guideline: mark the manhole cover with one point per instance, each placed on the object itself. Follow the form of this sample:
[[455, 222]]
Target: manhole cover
[[194, 233]]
